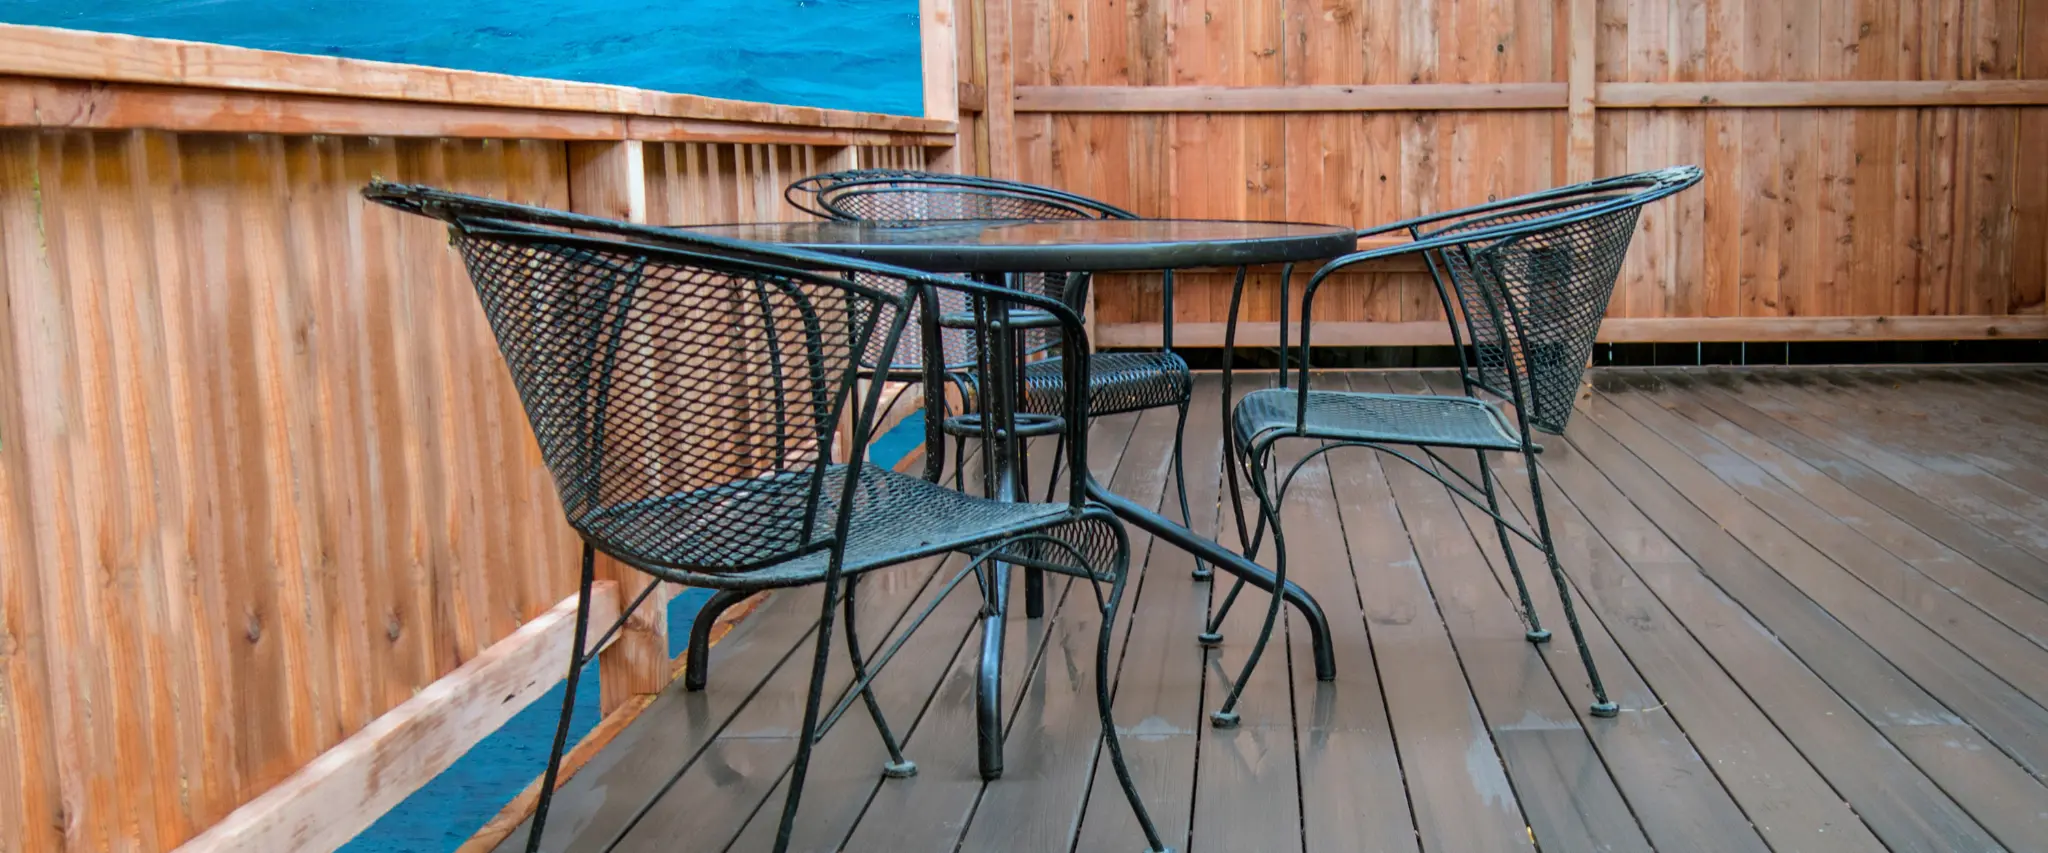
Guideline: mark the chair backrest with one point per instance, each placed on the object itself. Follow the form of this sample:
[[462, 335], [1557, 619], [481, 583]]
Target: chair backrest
[[685, 396], [896, 195], [903, 196], [1534, 281]]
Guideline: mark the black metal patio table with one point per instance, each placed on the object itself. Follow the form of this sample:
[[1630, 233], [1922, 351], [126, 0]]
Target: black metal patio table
[[992, 250]]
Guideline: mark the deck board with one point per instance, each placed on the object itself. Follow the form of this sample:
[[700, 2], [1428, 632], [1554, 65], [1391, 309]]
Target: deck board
[[1821, 597]]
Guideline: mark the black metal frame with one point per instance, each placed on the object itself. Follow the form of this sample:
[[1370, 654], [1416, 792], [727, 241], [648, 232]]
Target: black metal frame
[[594, 280], [1465, 250], [829, 196]]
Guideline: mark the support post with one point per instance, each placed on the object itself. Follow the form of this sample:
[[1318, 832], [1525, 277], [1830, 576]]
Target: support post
[[609, 179]]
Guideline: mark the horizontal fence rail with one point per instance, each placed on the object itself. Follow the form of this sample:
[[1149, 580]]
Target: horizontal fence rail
[[1874, 169]]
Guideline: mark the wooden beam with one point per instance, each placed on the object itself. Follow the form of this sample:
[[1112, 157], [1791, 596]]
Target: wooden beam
[[1286, 99], [609, 179], [1613, 330], [1835, 93], [75, 55], [349, 786], [1531, 96], [1002, 90], [1583, 26], [941, 59], [973, 98], [75, 104]]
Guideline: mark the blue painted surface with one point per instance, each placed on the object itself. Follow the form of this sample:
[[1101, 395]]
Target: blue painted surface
[[450, 809], [848, 54]]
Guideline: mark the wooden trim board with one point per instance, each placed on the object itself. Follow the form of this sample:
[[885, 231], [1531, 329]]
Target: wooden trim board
[[1284, 99], [1528, 96], [107, 57], [1834, 93], [1614, 330], [347, 788], [31, 102]]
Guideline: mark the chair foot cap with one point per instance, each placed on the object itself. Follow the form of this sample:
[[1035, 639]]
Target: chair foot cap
[[904, 770], [1540, 635], [1223, 719], [1203, 573], [1605, 709], [1209, 639]]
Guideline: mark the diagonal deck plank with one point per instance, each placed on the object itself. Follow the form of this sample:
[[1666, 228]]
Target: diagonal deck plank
[[2001, 555], [1565, 787], [1680, 801], [1351, 769], [1823, 617], [1040, 801], [1908, 810], [1982, 587], [1159, 684], [2006, 653], [1258, 761], [1963, 494], [1461, 795]]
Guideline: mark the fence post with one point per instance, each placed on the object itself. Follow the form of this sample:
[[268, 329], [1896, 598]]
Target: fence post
[[609, 179], [1583, 32]]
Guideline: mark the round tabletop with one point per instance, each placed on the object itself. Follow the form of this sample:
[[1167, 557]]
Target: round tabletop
[[1056, 245]]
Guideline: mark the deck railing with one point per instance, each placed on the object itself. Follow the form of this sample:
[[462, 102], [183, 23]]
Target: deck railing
[[264, 493]]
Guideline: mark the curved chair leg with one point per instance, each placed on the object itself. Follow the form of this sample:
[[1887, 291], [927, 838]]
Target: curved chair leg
[[1225, 717], [988, 694], [1536, 632], [1602, 706], [1034, 578], [1212, 635], [576, 661], [697, 663], [807, 735], [1103, 642], [898, 767], [1180, 478]]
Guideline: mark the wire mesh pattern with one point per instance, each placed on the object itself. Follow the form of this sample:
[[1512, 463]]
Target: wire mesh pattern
[[959, 347], [1532, 277], [1118, 382], [895, 195], [1532, 303], [686, 393], [894, 517], [1380, 418], [710, 393]]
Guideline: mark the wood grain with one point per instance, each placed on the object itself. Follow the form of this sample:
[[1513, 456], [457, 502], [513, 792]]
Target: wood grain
[[342, 792]]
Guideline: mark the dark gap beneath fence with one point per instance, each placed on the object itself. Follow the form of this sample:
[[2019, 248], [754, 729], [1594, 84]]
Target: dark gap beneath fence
[[1666, 354]]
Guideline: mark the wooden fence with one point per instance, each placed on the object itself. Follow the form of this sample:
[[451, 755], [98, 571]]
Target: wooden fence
[[262, 480], [1875, 168]]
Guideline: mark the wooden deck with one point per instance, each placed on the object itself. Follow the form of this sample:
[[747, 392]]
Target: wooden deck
[[1821, 598]]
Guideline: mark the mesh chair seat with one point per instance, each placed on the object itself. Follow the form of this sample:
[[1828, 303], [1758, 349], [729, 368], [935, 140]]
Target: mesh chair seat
[[895, 518], [1379, 418], [1118, 382]]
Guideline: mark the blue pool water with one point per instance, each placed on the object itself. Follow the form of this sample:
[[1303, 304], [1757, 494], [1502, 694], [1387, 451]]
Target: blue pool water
[[848, 54]]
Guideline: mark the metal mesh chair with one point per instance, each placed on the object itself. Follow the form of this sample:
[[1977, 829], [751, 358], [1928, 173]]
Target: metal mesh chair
[[686, 395], [1524, 283], [1118, 382]]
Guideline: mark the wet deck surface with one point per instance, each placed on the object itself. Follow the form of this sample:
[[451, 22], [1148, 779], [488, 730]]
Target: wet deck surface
[[1820, 596]]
